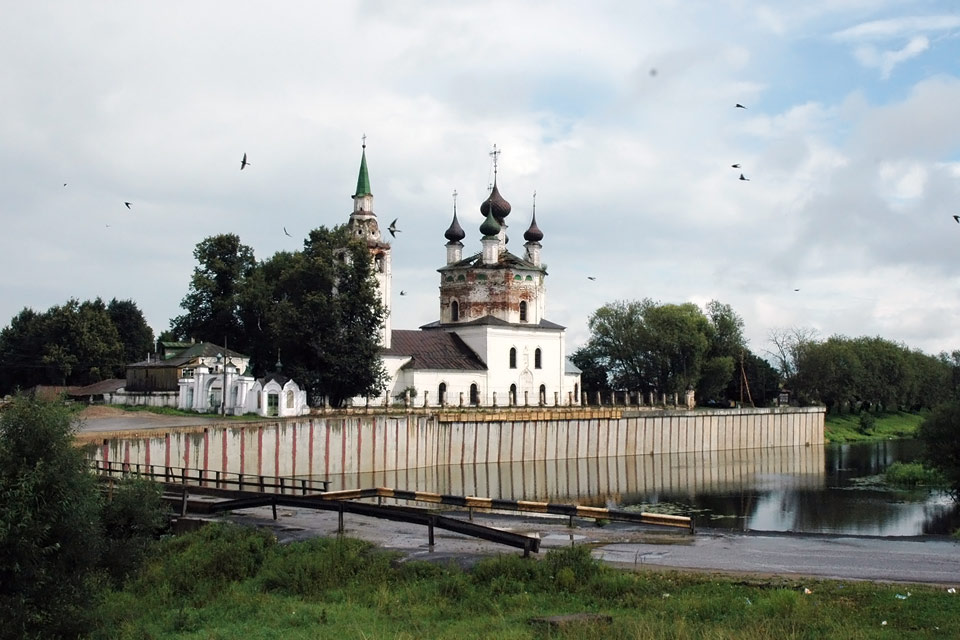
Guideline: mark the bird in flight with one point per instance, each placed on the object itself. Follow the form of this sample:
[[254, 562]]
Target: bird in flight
[[796, 289], [957, 218], [64, 184], [402, 292], [287, 232], [393, 228], [736, 166], [128, 204], [742, 178], [739, 106], [243, 162], [591, 278]]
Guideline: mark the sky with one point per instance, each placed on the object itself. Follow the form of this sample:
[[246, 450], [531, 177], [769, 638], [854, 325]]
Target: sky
[[620, 116]]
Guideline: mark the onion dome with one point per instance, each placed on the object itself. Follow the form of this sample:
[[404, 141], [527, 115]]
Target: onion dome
[[490, 226], [455, 233], [496, 204], [533, 234]]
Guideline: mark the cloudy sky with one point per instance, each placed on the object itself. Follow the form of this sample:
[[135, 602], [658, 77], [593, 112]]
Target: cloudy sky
[[619, 115]]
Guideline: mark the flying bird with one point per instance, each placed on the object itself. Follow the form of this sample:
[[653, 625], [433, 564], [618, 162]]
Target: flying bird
[[285, 231], [742, 178], [128, 204], [393, 228], [736, 166], [739, 106], [402, 292], [957, 218], [243, 163], [796, 289], [591, 278], [64, 184]]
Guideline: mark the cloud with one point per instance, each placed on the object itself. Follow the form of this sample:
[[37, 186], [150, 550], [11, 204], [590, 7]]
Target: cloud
[[873, 58], [897, 27]]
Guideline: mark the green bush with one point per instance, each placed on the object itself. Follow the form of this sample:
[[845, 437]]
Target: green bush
[[912, 474], [940, 434], [134, 517], [867, 422]]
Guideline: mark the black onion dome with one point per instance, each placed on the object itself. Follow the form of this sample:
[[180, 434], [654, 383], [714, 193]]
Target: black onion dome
[[533, 234], [496, 204], [455, 233]]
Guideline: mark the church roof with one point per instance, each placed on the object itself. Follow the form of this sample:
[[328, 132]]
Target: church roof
[[507, 259], [275, 376], [433, 350], [495, 322]]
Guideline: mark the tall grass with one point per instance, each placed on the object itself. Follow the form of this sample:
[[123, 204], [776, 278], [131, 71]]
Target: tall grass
[[226, 582]]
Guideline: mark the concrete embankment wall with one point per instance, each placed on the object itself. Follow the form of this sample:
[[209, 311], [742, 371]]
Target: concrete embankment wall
[[348, 444]]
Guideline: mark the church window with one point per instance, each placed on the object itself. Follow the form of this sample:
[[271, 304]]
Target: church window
[[537, 359], [513, 358], [442, 393], [481, 277], [529, 278], [543, 394], [523, 311], [454, 311], [518, 277], [379, 262], [461, 278], [513, 395], [448, 279], [474, 394], [289, 399]]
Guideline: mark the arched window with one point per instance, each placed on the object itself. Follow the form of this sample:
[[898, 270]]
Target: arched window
[[474, 394], [523, 311], [537, 362], [543, 394], [442, 393], [576, 394], [289, 399], [513, 395], [454, 311], [513, 358]]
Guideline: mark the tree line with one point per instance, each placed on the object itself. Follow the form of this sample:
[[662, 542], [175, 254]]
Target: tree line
[[667, 348], [76, 343]]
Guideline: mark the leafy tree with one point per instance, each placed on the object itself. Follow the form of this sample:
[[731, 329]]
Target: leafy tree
[[763, 381], [213, 302], [318, 310], [134, 332], [940, 434], [82, 344], [830, 372], [21, 346], [133, 518], [593, 370], [49, 524], [648, 346]]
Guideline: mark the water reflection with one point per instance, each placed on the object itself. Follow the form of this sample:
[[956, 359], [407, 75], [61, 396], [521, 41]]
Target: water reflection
[[801, 489]]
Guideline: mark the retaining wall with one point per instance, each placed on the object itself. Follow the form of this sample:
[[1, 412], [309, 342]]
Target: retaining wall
[[350, 444]]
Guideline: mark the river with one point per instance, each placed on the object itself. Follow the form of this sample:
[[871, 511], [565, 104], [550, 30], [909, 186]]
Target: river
[[817, 489]]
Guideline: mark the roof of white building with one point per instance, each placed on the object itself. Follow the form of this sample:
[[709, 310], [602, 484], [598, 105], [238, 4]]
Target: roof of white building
[[433, 350]]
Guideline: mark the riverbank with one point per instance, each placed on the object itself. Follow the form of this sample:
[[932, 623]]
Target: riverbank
[[849, 427], [226, 583]]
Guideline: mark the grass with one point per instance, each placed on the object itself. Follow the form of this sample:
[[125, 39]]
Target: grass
[[232, 582], [894, 424], [170, 411]]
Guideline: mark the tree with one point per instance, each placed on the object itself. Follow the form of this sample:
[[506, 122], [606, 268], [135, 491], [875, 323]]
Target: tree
[[940, 434], [50, 537], [648, 346], [135, 334], [326, 316], [789, 345], [212, 302], [21, 347], [317, 310]]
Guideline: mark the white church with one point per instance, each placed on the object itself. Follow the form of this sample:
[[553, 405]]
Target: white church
[[492, 344]]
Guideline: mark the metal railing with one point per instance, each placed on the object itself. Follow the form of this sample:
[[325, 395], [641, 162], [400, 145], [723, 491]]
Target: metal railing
[[212, 478]]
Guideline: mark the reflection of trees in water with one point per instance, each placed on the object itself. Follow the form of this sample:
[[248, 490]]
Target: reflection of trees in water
[[783, 489]]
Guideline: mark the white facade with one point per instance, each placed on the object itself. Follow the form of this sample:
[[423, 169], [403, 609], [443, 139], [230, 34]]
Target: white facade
[[502, 350], [273, 396]]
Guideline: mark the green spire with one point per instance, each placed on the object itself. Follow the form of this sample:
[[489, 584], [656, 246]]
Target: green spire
[[363, 181]]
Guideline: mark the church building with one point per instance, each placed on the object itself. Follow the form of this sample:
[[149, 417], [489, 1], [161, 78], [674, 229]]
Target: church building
[[492, 344]]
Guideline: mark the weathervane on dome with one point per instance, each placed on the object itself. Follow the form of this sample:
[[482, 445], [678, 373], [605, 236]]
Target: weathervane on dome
[[494, 154], [454, 202]]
